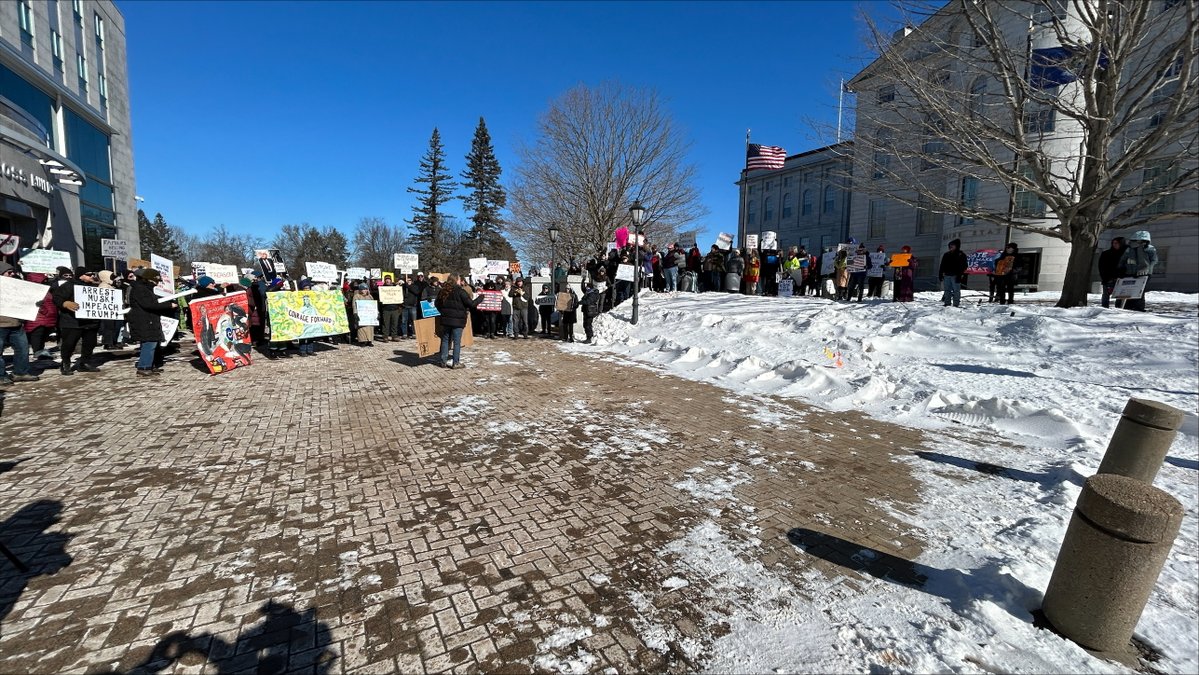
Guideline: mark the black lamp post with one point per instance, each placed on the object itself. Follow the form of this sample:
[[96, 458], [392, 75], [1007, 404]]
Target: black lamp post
[[637, 213], [553, 240]]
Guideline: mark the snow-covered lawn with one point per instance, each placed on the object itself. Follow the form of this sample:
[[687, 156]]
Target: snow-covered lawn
[[1049, 383]]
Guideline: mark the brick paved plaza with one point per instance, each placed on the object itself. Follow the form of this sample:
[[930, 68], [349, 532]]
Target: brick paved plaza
[[366, 511]]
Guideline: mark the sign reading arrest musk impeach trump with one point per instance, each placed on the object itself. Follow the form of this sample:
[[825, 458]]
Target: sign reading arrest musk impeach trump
[[98, 303]]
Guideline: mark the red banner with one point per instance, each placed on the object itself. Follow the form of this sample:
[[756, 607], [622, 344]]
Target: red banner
[[221, 325], [493, 301]]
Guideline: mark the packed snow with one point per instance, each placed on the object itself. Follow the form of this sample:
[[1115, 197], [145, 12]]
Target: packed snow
[[1049, 383]]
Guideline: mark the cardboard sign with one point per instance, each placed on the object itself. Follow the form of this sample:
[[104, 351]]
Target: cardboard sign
[[624, 272], [367, 311], [901, 260], [357, 273], [99, 303], [856, 263], [493, 301], [562, 302], [19, 298], [1129, 288], [878, 260], [114, 248], [751, 241], [724, 241], [406, 262], [982, 261], [221, 324], [166, 270], [770, 240], [391, 295], [297, 315], [428, 309], [134, 263], [428, 336], [46, 261], [322, 272]]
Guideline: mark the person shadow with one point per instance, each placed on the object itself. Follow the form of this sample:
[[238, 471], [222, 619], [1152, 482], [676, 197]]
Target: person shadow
[[28, 549], [284, 641]]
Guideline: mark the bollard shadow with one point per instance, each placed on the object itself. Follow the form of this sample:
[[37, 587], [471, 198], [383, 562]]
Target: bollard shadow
[[1045, 478], [1183, 463], [9, 465], [960, 589], [28, 549], [285, 641]]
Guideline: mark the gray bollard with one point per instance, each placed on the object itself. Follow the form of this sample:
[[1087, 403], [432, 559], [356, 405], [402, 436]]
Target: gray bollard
[[1117, 542], [1141, 440]]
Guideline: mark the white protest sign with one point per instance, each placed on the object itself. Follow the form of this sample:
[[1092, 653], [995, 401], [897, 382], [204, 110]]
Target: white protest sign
[[770, 240], [611, 247], [1130, 287], [357, 273], [223, 274], [166, 269], [169, 326], [786, 288], [18, 298], [367, 311], [98, 303], [624, 272], [827, 263], [724, 241], [751, 241], [199, 269], [114, 248], [322, 272], [407, 262], [45, 261], [376, 272], [878, 261], [496, 267], [478, 266]]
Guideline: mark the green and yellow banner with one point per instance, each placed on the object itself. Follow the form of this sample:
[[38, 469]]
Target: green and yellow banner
[[298, 315]]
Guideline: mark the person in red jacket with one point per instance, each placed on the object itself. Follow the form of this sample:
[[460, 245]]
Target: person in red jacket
[[47, 318]]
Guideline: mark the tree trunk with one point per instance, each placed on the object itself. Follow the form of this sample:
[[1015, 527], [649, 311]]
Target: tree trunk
[[1077, 282]]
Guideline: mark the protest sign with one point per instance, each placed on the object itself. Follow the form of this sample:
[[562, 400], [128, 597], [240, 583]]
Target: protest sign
[[367, 312], [624, 272], [221, 324], [297, 315], [428, 309], [391, 295], [770, 240], [199, 269], [99, 303], [321, 272], [982, 261], [1129, 288], [611, 247], [724, 240], [493, 301], [166, 272], [389, 276], [223, 274], [376, 272], [478, 266], [9, 243], [514, 268], [406, 262], [827, 263], [18, 299], [114, 248], [901, 260], [266, 262], [428, 336], [786, 287], [878, 260], [45, 261], [562, 302], [751, 241], [856, 263], [498, 267], [356, 273]]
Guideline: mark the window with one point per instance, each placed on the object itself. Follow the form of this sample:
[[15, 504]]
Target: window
[[787, 181], [99, 21], [968, 199], [750, 217], [877, 223], [751, 189], [1158, 177], [1038, 120], [1048, 11], [1028, 204], [25, 12], [978, 94], [1164, 90], [768, 210], [78, 10], [830, 198], [884, 139], [886, 94], [825, 241], [103, 90], [56, 48], [806, 205], [767, 188], [927, 221], [81, 64], [934, 143], [786, 204]]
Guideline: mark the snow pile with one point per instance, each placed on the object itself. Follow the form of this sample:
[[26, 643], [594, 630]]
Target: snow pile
[[1021, 401]]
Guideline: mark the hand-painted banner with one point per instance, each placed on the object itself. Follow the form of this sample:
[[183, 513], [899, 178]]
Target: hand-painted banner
[[981, 262], [99, 303], [493, 301], [297, 315], [221, 325]]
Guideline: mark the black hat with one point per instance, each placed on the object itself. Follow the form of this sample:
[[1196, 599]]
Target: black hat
[[956, 243], [83, 271], [64, 271]]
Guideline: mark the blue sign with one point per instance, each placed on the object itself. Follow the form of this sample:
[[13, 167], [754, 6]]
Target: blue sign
[[427, 309]]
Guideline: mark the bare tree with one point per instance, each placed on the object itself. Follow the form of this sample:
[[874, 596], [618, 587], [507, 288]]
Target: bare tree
[[300, 244], [597, 150], [376, 242], [1082, 114], [220, 246]]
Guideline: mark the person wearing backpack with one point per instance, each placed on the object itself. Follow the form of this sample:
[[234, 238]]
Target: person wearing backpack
[[568, 317], [1005, 275], [591, 309]]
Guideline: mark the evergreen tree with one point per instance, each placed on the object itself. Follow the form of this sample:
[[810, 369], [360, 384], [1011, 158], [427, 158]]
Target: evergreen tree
[[157, 237], [426, 215], [486, 197]]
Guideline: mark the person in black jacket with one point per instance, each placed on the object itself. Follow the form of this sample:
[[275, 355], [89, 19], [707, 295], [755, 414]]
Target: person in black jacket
[[592, 304], [145, 320], [568, 317], [952, 274], [72, 331], [411, 309], [455, 304], [1109, 269]]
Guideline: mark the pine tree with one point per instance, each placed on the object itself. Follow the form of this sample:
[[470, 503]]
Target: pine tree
[[486, 197], [426, 215], [157, 237]]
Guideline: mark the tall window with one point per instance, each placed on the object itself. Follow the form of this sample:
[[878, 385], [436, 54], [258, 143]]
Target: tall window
[[786, 205], [768, 210], [969, 198], [830, 198], [884, 140], [99, 21], [78, 10], [786, 181], [81, 65], [1164, 90], [25, 13], [934, 143], [1038, 117], [1157, 177], [806, 205], [56, 48], [886, 94], [927, 221], [1048, 11], [751, 216], [1028, 204], [978, 95], [103, 90], [767, 188], [877, 222], [751, 188]]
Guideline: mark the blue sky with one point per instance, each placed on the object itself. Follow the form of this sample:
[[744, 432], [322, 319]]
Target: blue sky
[[258, 114]]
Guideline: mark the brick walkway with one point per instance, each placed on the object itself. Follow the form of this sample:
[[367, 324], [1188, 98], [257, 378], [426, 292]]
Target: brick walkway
[[364, 510]]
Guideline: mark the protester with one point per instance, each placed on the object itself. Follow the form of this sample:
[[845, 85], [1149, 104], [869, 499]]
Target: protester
[[74, 332], [713, 268], [857, 278], [568, 317], [389, 317], [1139, 259], [504, 326], [1109, 268], [545, 306], [770, 272], [841, 274], [455, 304], [905, 278], [1005, 274], [12, 332], [145, 321], [110, 329], [734, 267], [592, 306], [47, 318], [410, 311], [670, 270], [366, 334], [875, 272], [520, 310], [952, 274], [753, 271]]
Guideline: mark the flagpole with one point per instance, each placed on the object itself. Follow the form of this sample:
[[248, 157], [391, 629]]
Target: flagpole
[[840, 101], [741, 229]]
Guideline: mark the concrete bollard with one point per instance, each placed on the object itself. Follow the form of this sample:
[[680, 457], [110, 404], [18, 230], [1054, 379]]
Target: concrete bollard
[[1117, 542], [1141, 440]]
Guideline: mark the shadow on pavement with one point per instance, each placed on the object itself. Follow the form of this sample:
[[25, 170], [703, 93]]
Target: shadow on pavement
[[29, 550], [285, 641], [960, 589], [1045, 478]]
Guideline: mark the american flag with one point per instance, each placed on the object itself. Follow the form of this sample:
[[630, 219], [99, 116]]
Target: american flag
[[764, 157]]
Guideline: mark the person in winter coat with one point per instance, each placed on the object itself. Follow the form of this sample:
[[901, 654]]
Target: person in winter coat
[[110, 329], [1138, 260], [545, 308], [12, 332], [410, 310], [145, 321], [1005, 274], [752, 272], [793, 269], [952, 274], [569, 317], [695, 260], [857, 278], [771, 261], [841, 274], [1109, 268], [455, 304], [670, 269], [366, 334], [47, 318], [733, 269], [714, 267], [905, 278], [520, 310], [389, 318], [429, 289], [875, 269], [592, 305], [73, 332]]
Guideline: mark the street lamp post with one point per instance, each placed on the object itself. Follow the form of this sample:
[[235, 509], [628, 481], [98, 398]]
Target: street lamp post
[[553, 253], [637, 213]]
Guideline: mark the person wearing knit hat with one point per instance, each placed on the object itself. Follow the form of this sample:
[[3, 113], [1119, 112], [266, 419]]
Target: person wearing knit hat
[[146, 310], [952, 274], [905, 277], [12, 332], [72, 331], [64, 273]]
